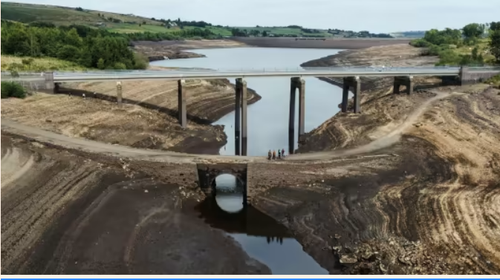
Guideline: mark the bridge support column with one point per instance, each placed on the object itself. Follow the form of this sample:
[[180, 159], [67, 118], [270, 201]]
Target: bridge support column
[[301, 85], [405, 81], [345, 97], [181, 103], [355, 83], [296, 83], [119, 92], [240, 118], [241, 88], [49, 81], [57, 87], [464, 75]]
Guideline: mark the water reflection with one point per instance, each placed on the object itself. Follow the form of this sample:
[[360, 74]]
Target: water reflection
[[260, 235], [229, 193]]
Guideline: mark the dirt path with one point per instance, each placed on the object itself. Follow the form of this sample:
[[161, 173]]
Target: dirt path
[[383, 142], [124, 151]]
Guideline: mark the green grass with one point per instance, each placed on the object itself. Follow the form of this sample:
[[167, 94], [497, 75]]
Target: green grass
[[27, 13], [64, 15], [10, 63], [483, 47]]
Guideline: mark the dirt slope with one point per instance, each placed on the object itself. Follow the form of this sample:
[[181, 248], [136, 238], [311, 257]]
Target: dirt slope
[[429, 206], [147, 119], [67, 214], [207, 100], [109, 122]]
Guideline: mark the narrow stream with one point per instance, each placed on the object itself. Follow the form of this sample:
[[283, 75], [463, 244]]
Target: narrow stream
[[259, 235]]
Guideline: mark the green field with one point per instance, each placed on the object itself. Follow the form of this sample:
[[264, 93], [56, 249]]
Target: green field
[[66, 16], [120, 23]]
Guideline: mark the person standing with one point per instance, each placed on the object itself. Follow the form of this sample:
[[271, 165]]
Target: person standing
[[279, 154], [283, 152], [274, 154], [269, 155]]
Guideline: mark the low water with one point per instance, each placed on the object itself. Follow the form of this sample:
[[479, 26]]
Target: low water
[[259, 235]]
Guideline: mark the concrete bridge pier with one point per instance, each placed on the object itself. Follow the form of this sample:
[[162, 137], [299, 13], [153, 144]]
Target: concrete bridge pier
[[119, 92], [49, 81], [405, 81], [240, 118], [296, 83], [355, 84], [181, 103]]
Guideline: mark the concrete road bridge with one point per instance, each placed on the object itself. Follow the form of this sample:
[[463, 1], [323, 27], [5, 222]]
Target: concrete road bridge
[[207, 173], [351, 82]]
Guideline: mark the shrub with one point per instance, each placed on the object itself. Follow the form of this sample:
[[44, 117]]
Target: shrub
[[119, 66], [12, 89], [140, 61]]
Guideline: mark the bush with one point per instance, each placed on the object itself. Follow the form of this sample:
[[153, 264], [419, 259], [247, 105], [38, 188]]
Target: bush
[[119, 66], [140, 61], [12, 89], [420, 43]]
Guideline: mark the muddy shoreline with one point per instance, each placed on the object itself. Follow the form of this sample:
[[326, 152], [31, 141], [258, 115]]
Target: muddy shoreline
[[174, 49]]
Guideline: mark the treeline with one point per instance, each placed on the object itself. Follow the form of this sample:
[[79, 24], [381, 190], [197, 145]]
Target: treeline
[[443, 43], [92, 48], [172, 35]]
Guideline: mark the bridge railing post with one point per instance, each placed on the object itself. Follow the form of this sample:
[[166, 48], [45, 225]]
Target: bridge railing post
[[119, 92]]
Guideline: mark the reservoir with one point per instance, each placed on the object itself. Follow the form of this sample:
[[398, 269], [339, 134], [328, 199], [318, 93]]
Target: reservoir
[[267, 130]]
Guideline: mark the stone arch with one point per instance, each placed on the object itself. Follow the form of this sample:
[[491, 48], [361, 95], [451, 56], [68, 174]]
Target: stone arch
[[207, 173]]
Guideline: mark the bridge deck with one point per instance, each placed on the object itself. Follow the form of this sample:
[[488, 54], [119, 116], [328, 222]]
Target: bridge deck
[[240, 73]]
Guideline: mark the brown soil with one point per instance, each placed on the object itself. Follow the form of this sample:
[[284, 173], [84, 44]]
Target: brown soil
[[429, 203], [147, 119], [67, 214], [176, 49], [207, 100], [109, 122]]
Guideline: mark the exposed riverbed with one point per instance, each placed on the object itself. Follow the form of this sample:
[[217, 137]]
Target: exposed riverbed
[[267, 129]]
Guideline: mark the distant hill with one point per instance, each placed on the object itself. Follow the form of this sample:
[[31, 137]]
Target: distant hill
[[129, 23], [409, 34]]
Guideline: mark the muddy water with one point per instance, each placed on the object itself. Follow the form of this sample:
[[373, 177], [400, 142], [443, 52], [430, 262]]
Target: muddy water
[[260, 236]]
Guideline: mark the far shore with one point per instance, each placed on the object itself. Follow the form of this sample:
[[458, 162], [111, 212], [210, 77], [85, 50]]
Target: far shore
[[176, 49]]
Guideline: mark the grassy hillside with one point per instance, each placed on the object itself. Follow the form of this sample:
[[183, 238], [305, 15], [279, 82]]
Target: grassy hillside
[[65, 15], [14, 63], [128, 23]]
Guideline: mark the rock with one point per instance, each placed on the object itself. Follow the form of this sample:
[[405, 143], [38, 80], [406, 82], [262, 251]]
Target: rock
[[348, 259], [337, 236], [369, 256], [336, 248]]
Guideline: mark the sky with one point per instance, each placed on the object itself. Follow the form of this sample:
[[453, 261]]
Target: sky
[[357, 15]]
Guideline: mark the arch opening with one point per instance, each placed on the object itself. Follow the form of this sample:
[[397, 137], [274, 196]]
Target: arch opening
[[229, 191]]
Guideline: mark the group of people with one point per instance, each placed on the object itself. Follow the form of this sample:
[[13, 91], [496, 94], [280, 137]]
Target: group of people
[[272, 154]]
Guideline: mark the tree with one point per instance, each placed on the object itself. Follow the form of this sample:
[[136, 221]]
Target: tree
[[472, 32], [495, 44], [494, 26], [100, 64]]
